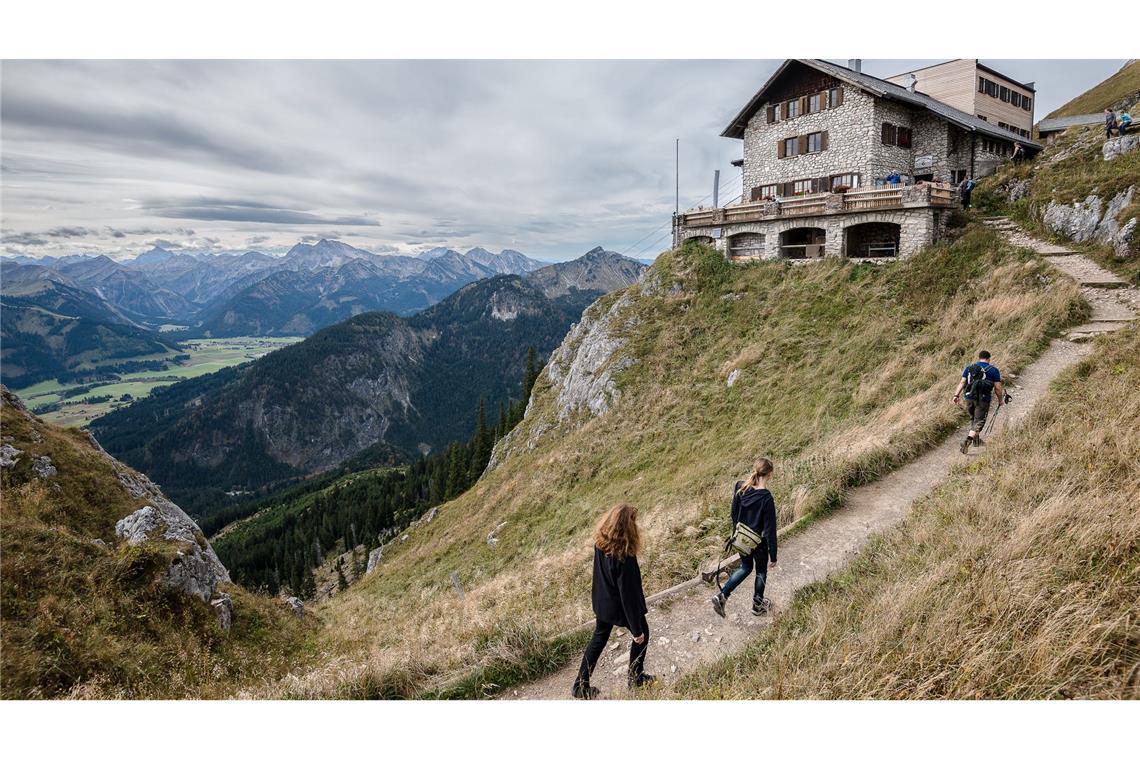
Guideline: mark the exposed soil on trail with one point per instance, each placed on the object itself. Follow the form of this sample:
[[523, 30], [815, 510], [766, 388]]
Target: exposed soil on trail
[[685, 631]]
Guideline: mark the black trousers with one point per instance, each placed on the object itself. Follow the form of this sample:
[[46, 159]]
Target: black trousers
[[598, 644]]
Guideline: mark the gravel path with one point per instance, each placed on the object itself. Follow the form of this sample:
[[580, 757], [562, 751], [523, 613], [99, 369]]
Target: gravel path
[[684, 630]]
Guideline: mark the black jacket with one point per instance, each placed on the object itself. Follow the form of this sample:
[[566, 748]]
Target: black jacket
[[757, 509], [617, 595]]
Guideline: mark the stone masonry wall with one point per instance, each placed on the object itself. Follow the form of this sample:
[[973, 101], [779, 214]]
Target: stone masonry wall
[[918, 227], [850, 133], [889, 158]]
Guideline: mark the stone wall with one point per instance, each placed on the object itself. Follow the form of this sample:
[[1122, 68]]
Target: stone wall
[[850, 132], [918, 227], [886, 159]]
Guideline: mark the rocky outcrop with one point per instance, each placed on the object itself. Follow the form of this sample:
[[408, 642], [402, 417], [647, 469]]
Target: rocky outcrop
[[195, 569], [374, 558], [43, 468], [1093, 219], [1118, 146], [581, 373], [9, 455], [582, 370], [296, 606]]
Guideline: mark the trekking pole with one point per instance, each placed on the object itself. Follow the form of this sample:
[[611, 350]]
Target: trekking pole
[[990, 427]]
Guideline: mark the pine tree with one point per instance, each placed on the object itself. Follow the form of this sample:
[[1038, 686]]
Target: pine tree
[[480, 444], [530, 374], [341, 581], [308, 584]]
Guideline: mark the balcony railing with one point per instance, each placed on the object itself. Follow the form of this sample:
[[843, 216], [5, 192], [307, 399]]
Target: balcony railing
[[894, 196]]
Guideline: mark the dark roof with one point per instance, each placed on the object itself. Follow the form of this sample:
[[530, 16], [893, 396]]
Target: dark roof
[[880, 88], [1060, 123]]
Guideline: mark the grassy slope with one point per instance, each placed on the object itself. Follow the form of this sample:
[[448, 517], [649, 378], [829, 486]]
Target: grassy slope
[[1122, 85], [1018, 578], [1071, 168], [86, 620], [844, 373], [1068, 171]]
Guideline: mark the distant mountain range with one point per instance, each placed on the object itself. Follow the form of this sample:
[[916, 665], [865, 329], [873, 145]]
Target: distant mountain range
[[118, 305], [377, 378]]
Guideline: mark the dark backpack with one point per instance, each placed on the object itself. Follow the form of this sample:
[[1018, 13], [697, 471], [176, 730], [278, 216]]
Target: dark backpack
[[978, 383]]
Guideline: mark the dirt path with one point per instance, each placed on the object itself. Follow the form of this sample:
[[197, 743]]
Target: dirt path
[[685, 632]]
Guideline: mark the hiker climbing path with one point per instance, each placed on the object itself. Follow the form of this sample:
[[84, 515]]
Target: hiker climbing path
[[684, 630]]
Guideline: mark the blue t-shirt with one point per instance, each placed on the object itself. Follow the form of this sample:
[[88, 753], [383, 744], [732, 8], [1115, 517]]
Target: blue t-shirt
[[991, 372]]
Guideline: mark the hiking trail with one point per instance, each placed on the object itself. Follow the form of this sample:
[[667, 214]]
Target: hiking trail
[[684, 630]]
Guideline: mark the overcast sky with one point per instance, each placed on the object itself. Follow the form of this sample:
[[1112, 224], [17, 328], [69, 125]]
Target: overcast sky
[[550, 158]]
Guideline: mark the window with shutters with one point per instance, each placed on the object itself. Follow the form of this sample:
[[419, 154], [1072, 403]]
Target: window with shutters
[[834, 97], [791, 147], [793, 107], [1015, 98], [815, 103], [1003, 94], [850, 181], [773, 114], [890, 134], [1026, 103], [904, 137], [768, 191], [981, 84], [802, 186], [815, 142]]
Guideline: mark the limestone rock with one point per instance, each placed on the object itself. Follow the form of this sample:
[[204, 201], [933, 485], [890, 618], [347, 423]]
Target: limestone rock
[[1118, 146], [1109, 225], [9, 455], [195, 569], [431, 514], [1122, 240], [1016, 189], [733, 377], [583, 367], [224, 607], [296, 606], [1078, 221], [374, 558], [43, 467]]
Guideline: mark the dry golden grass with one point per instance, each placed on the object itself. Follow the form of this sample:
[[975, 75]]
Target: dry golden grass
[[85, 620], [845, 370], [1018, 578]]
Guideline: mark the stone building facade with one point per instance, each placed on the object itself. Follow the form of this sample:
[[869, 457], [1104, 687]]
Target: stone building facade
[[839, 163]]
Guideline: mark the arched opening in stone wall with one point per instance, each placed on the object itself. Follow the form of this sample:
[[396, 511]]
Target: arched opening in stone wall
[[746, 245], [872, 240], [802, 243]]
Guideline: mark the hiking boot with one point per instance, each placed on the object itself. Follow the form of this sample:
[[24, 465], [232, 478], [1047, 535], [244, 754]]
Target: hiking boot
[[718, 604], [761, 608], [642, 681], [584, 691], [966, 444]]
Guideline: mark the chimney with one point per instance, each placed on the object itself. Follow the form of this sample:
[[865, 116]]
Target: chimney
[[911, 83], [855, 64]]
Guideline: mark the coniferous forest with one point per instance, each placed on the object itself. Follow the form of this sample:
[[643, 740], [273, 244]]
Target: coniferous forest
[[297, 530]]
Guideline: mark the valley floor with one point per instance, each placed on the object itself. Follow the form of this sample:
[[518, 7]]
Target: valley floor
[[206, 355], [687, 635]]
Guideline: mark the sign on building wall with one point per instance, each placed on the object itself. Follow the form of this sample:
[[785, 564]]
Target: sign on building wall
[[924, 162]]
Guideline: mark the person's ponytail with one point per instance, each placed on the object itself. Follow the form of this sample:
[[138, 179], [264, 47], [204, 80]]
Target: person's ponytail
[[761, 468]]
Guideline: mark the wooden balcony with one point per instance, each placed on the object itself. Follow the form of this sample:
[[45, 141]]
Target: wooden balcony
[[935, 195]]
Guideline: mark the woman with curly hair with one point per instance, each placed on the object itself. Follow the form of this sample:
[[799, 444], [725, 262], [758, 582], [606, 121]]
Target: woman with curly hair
[[618, 598]]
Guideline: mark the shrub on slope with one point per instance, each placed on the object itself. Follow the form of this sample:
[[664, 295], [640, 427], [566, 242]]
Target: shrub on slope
[[844, 371], [1019, 578]]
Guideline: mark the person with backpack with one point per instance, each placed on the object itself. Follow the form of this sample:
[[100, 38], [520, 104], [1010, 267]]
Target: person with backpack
[[618, 599], [754, 536], [980, 381], [965, 189]]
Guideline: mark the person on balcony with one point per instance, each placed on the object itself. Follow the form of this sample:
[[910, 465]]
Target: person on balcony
[[965, 189]]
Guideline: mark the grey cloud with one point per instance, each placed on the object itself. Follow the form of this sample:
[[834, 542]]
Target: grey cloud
[[23, 238], [237, 210], [68, 232]]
